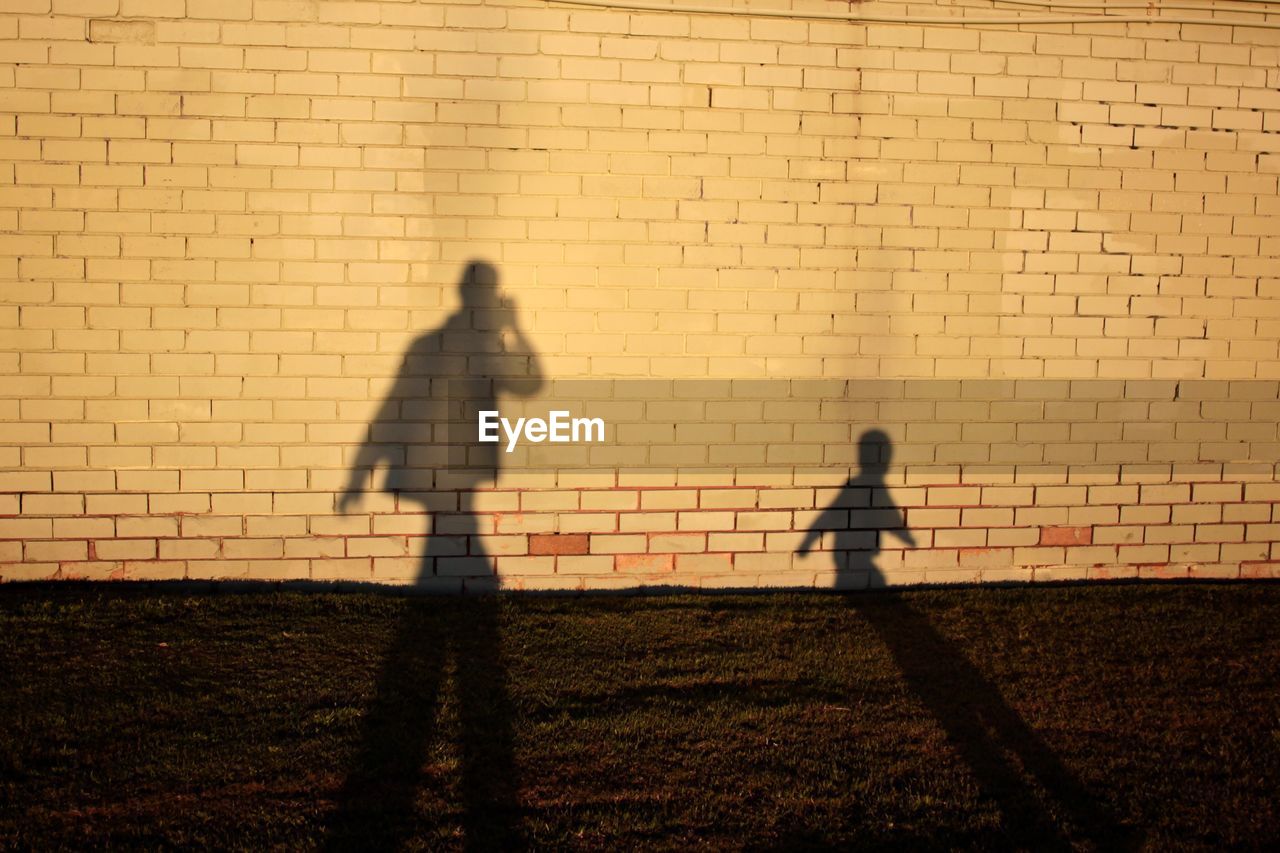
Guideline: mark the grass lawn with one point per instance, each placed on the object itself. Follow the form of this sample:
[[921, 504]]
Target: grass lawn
[[1104, 716]]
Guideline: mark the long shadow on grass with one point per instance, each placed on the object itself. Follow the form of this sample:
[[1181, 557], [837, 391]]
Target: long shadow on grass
[[378, 804], [1043, 806]]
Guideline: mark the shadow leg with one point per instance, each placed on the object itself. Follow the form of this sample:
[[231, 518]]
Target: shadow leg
[[375, 808], [489, 788], [1044, 805]]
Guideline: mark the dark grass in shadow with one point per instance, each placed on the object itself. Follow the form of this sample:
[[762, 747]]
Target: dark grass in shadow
[[148, 718], [378, 802]]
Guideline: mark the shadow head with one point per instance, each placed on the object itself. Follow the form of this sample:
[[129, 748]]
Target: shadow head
[[875, 451], [479, 286]]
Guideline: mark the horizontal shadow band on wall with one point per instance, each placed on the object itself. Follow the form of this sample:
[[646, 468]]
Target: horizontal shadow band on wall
[[749, 428]]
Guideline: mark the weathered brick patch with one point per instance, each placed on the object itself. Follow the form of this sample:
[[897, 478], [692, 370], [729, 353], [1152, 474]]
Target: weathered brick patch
[[1066, 535], [558, 543]]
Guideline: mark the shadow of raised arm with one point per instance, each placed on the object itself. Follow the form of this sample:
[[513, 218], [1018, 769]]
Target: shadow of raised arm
[[528, 383], [371, 453]]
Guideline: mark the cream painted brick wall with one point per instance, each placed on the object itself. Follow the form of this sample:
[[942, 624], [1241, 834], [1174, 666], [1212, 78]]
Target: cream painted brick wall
[[334, 145], [222, 222]]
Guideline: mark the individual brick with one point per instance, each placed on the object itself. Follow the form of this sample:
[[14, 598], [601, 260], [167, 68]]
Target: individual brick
[[562, 544]]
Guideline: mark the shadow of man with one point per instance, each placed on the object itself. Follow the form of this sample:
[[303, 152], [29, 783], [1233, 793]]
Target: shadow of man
[[425, 433], [1042, 805]]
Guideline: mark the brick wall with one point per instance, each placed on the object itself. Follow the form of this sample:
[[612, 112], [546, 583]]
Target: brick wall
[[1038, 263]]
